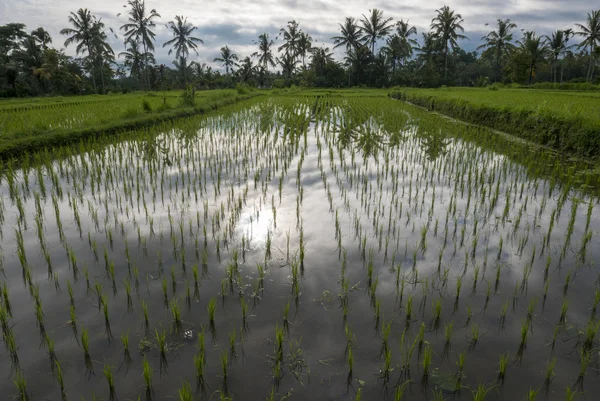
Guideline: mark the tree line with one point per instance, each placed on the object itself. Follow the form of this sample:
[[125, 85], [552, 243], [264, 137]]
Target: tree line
[[379, 52]]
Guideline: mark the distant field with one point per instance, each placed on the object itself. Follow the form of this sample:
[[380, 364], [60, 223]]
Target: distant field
[[36, 116], [584, 105]]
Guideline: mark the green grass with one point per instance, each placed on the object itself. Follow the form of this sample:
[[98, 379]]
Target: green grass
[[565, 103], [562, 120], [27, 128]]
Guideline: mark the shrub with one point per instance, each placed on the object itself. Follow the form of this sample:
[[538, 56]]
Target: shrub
[[243, 89], [188, 97], [146, 106]]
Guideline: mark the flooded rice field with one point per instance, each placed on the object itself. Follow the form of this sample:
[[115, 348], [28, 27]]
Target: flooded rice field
[[301, 248]]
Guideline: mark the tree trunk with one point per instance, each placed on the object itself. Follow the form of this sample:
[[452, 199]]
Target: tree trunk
[[590, 70], [146, 68], [102, 80], [530, 73], [446, 61]]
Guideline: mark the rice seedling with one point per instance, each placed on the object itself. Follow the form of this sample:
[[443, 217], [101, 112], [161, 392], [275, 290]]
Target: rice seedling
[[523, 343], [145, 312], [106, 318], [563, 312], [481, 392], [532, 394], [426, 361], [126, 353], [199, 364], [148, 373], [176, 316], [502, 365], [59, 378], [111, 382], [161, 340], [459, 376], [232, 342], [550, 372], [21, 385], [224, 363], [474, 336]]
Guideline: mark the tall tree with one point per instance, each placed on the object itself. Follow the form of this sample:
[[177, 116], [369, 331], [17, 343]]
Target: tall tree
[[228, 58], [42, 37], [404, 31], [358, 60], [264, 53], [499, 43], [349, 37], [591, 34], [135, 59], [182, 41], [446, 26], [140, 27], [102, 53], [375, 27], [558, 46], [288, 64], [82, 33], [304, 46], [535, 49], [291, 37]]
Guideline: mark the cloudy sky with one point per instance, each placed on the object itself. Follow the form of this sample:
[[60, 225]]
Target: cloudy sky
[[238, 23]]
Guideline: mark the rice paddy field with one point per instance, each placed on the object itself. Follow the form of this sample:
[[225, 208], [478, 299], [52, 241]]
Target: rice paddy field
[[34, 117], [312, 246], [567, 104]]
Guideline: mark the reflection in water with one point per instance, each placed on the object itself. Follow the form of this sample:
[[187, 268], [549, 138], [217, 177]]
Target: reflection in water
[[306, 227]]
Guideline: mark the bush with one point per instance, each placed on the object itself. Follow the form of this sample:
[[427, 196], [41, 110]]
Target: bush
[[243, 89], [279, 83], [146, 106], [188, 97]]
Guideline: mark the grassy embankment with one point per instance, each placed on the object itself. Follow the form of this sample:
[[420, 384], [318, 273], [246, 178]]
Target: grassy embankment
[[565, 121], [27, 125]]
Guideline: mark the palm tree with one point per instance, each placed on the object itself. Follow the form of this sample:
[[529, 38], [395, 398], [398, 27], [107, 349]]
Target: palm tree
[[182, 41], [102, 53], [291, 37], [404, 32], [350, 35], [42, 37], [358, 59], [558, 45], [228, 58], [247, 70], [393, 50], [288, 64], [304, 46], [446, 26], [140, 27], [591, 33], [321, 58], [135, 59], [535, 49], [264, 53], [375, 27], [82, 33], [499, 42]]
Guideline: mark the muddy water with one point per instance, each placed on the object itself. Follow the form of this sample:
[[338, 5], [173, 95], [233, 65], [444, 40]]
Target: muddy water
[[264, 175]]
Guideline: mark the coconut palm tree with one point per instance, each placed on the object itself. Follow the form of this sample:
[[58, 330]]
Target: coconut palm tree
[[102, 54], [404, 31], [375, 27], [446, 26], [321, 58], [498, 42], [558, 46], [247, 70], [82, 33], [291, 37], [591, 34], [135, 59], [358, 60], [140, 27], [350, 35], [304, 46], [228, 58], [182, 41], [393, 51], [42, 37], [264, 53], [535, 49], [288, 64]]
